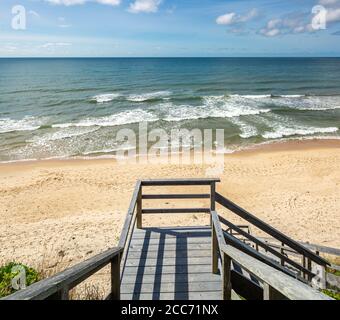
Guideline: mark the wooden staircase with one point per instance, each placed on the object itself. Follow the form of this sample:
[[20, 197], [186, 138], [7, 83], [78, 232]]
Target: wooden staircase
[[217, 261]]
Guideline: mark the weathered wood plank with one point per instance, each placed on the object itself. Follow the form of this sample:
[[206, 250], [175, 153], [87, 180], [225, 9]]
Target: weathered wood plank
[[277, 254], [173, 229], [286, 285], [179, 182], [170, 254], [268, 229], [176, 286], [314, 247], [204, 268], [257, 255], [170, 235], [171, 241], [176, 196], [170, 247], [128, 223], [171, 296], [190, 277], [66, 279], [178, 261], [175, 210]]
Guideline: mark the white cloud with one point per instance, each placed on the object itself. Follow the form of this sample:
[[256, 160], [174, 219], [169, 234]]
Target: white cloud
[[110, 2], [147, 6], [66, 2], [55, 44], [270, 32], [333, 10], [333, 15], [272, 24], [226, 19], [290, 24], [233, 18], [328, 2], [78, 2]]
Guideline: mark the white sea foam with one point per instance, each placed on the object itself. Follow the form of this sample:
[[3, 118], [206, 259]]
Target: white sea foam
[[313, 108], [107, 97], [247, 130], [250, 96], [64, 133], [291, 96], [187, 112], [286, 132], [25, 124], [125, 117], [148, 96]]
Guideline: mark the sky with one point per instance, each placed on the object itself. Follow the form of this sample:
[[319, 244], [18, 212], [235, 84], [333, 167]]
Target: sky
[[169, 28]]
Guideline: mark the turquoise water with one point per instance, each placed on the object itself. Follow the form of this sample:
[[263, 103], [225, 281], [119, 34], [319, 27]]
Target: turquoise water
[[74, 107]]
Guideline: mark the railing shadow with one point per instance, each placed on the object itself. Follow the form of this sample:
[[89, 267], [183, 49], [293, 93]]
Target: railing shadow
[[141, 266], [180, 264]]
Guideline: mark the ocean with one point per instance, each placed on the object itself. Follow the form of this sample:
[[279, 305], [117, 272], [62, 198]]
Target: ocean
[[57, 108]]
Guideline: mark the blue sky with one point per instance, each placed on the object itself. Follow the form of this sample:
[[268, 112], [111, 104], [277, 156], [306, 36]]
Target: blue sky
[[167, 28]]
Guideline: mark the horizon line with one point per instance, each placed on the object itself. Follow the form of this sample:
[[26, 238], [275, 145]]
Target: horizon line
[[171, 57]]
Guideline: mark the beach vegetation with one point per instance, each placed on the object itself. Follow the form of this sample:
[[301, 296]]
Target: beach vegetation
[[333, 294], [333, 271]]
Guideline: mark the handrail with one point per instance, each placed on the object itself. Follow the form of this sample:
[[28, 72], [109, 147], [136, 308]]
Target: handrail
[[266, 247], [284, 285], [179, 182], [130, 216], [238, 244], [130, 220], [311, 246], [268, 229], [58, 286], [277, 285]]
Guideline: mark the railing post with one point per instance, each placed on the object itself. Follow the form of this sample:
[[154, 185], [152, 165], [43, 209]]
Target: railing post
[[62, 294], [282, 252], [115, 278], [212, 198], [214, 250], [139, 209], [226, 276], [309, 267], [269, 293]]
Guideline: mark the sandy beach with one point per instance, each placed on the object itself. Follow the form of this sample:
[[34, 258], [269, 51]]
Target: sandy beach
[[68, 210]]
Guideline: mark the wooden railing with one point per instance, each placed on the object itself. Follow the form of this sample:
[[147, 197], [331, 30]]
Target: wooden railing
[[276, 285], [307, 255], [178, 182], [58, 286], [225, 248]]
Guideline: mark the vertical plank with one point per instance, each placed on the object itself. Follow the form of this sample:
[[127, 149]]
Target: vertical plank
[[212, 198], [62, 294], [139, 209], [309, 267], [303, 262], [282, 252], [269, 293], [115, 278], [214, 250], [226, 269]]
